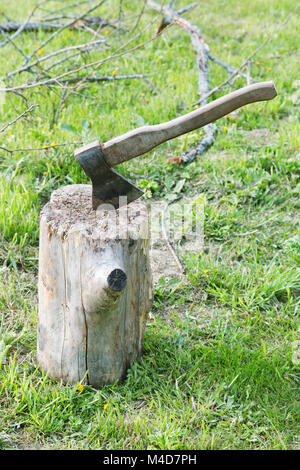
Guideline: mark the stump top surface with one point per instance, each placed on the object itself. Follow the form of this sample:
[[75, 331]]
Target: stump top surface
[[70, 209]]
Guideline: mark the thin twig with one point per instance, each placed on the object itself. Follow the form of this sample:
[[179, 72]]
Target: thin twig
[[45, 147], [186, 9], [228, 67], [138, 17], [203, 99], [274, 57], [27, 111], [9, 40], [96, 64], [62, 101], [67, 7], [87, 46], [61, 61], [22, 26], [248, 73], [110, 79], [65, 26]]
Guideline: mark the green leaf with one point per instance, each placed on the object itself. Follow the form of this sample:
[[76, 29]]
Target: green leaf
[[70, 128]]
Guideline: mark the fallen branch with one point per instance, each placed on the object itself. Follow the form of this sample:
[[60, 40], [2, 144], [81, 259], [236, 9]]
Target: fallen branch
[[108, 78], [206, 142], [96, 64], [202, 52], [92, 21]]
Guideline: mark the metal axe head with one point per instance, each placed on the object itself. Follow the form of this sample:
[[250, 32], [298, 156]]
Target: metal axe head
[[108, 186]]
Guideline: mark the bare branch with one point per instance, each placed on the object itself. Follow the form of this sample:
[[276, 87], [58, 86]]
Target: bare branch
[[65, 26], [9, 40], [187, 9], [27, 111], [92, 21], [22, 26], [202, 52], [96, 64], [45, 147], [278, 56], [110, 79], [83, 47], [229, 68], [204, 98]]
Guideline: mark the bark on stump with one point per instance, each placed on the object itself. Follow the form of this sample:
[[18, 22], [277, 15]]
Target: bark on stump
[[95, 287]]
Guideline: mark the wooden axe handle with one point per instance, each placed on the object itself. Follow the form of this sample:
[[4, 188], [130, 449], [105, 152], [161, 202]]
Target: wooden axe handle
[[141, 140]]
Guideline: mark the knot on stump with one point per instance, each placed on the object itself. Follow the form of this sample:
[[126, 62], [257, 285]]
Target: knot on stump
[[117, 279]]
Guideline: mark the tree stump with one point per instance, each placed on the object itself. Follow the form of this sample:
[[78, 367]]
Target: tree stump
[[95, 287]]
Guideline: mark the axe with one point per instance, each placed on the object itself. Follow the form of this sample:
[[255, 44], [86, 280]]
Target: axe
[[97, 159]]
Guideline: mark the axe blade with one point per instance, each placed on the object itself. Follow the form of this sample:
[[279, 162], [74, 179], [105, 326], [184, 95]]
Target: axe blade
[[108, 185]]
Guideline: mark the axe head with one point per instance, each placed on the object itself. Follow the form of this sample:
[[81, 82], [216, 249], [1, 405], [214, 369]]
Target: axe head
[[108, 186]]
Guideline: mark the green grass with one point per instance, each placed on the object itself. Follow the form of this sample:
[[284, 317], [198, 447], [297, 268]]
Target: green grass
[[218, 369]]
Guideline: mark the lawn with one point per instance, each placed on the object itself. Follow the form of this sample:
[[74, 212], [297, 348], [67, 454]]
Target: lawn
[[220, 368]]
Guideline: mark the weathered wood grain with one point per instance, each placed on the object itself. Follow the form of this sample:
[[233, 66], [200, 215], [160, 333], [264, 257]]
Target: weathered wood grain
[[95, 288], [143, 139]]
